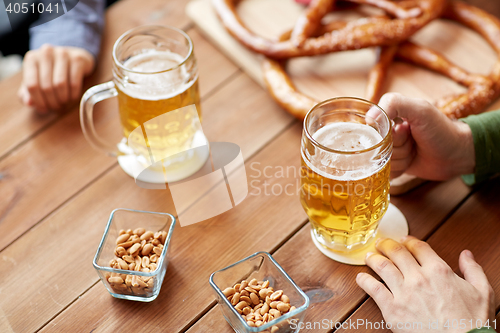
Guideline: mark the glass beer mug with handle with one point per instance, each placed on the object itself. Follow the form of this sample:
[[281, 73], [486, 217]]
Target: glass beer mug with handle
[[155, 77], [346, 148]]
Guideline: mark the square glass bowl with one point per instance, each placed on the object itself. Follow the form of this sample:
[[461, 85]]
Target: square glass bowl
[[151, 282], [260, 266]]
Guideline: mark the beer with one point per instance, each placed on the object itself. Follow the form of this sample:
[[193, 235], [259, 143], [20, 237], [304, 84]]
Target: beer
[[344, 191], [151, 90]]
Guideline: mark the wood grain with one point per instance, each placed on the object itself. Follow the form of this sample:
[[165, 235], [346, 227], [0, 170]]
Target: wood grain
[[473, 225], [74, 230], [53, 166], [320, 276]]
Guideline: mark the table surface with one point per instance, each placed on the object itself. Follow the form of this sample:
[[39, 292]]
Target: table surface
[[56, 193]]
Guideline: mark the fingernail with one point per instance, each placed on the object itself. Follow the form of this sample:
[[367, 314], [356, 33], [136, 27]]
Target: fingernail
[[469, 254], [359, 275], [378, 241], [369, 254], [403, 239]]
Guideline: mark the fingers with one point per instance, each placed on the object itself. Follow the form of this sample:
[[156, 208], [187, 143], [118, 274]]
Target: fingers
[[385, 269], [31, 82], [45, 71], [420, 250], [77, 71], [375, 289], [415, 110], [399, 255], [61, 76], [473, 272]]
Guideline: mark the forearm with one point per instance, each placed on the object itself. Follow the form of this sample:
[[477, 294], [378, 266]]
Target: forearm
[[79, 27], [485, 131]]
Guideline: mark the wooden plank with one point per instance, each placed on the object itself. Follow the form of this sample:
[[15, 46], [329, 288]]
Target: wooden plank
[[424, 209], [19, 122], [59, 162], [225, 240], [475, 227], [71, 234]]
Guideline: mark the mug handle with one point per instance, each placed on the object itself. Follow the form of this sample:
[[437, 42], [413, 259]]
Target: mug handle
[[90, 98]]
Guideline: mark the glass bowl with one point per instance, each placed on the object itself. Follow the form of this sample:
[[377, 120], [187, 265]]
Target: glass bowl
[[260, 266], [148, 288]]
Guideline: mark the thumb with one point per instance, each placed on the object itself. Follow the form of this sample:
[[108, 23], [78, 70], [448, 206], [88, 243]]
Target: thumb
[[473, 272]]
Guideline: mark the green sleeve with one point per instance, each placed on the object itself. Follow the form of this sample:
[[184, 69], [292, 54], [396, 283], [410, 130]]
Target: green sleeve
[[482, 330], [485, 129]]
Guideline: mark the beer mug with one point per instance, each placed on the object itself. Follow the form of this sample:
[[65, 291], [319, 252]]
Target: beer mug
[[346, 148], [155, 78]]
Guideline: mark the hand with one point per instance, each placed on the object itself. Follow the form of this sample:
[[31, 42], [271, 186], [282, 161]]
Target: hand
[[53, 76], [422, 288], [427, 144]]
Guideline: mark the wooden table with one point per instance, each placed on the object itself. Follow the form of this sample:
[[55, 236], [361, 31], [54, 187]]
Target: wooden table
[[56, 194]]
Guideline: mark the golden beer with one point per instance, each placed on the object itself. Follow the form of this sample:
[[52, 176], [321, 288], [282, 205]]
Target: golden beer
[[139, 104], [155, 77], [345, 173]]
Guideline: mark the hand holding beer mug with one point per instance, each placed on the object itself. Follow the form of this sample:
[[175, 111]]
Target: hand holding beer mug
[[346, 150], [155, 77]]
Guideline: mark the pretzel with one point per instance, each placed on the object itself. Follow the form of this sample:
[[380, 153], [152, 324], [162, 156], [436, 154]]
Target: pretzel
[[362, 33], [482, 90]]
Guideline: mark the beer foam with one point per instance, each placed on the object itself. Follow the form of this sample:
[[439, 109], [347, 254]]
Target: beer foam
[[155, 86], [345, 137]]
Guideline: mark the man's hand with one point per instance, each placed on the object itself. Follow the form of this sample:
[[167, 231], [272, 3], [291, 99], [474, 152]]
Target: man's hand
[[53, 76], [421, 288], [426, 143]]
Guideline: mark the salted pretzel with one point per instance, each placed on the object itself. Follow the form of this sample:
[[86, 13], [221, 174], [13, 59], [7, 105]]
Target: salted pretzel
[[409, 17], [482, 90]]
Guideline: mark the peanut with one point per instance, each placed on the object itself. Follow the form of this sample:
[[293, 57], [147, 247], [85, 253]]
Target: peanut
[[283, 307], [122, 238], [147, 235], [258, 303], [139, 231], [276, 295], [255, 299], [228, 291], [246, 299], [147, 248], [135, 251]]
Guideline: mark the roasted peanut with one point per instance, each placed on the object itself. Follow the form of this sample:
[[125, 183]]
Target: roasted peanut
[[283, 307], [153, 258], [157, 250], [244, 293], [243, 285], [285, 299], [228, 291], [274, 329], [122, 263], [250, 323], [152, 267], [265, 284], [276, 295], [275, 313], [155, 242], [145, 262], [264, 309], [122, 238], [134, 249], [147, 235], [115, 280], [128, 259], [139, 231], [236, 298], [146, 249], [241, 305], [255, 299], [246, 310], [246, 299]]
